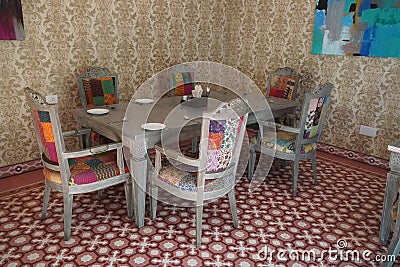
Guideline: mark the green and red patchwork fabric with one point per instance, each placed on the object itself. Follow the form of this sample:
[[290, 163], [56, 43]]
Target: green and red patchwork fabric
[[99, 91]]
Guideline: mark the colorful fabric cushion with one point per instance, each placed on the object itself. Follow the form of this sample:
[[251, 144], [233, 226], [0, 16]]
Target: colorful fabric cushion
[[99, 91], [315, 110], [252, 135], [187, 181], [221, 142], [285, 142], [183, 83], [42, 119], [283, 87], [89, 169]]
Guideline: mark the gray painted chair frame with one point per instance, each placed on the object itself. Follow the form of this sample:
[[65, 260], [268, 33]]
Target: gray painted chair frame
[[323, 91], [37, 102], [221, 113]]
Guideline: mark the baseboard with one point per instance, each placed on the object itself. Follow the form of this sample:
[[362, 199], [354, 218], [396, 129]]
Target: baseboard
[[337, 151], [353, 155], [20, 168]]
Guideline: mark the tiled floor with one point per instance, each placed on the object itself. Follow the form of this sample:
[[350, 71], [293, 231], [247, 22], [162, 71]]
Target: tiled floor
[[343, 210]]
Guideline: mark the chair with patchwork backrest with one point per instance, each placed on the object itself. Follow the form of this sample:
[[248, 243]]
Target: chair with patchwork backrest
[[212, 175], [295, 144], [73, 172], [282, 83], [98, 87], [182, 83]]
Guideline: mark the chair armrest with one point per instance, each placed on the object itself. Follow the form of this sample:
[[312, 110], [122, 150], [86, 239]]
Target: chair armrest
[[92, 151], [76, 132], [175, 155], [280, 127]]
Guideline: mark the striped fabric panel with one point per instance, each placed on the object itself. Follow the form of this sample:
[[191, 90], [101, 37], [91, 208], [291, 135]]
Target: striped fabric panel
[[90, 169]]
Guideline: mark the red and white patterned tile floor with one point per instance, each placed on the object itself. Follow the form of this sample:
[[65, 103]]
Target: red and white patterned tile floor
[[275, 229]]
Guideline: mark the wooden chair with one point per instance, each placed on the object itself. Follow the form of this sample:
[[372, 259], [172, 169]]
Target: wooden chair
[[394, 246], [182, 83], [295, 144], [74, 172], [98, 87], [283, 83], [215, 169]]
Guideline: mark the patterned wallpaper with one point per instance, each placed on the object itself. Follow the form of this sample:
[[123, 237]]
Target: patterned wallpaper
[[139, 38]]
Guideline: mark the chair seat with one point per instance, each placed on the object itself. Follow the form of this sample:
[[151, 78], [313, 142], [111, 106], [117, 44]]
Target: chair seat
[[89, 169], [187, 181], [285, 142]]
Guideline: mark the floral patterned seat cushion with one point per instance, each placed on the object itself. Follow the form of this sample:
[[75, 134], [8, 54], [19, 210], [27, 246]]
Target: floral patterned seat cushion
[[187, 181], [285, 142], [89, 169]]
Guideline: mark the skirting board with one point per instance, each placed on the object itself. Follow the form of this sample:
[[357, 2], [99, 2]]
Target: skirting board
[[337, 151]]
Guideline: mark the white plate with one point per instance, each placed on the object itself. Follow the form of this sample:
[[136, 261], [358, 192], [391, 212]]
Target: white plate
[[153, 126], [98, 111], [144, 101]]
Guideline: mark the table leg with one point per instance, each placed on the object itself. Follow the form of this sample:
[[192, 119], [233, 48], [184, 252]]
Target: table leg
[[138, 169], [391, 191]]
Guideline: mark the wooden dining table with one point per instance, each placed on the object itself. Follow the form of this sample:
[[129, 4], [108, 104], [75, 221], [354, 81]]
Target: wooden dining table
[[123, 123]]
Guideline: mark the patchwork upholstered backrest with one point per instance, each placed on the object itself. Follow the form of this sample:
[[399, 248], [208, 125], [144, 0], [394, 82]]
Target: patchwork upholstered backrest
[[98, 87], [225, 131], [314, 111], [182, 83], [47, 126], [283, 83]]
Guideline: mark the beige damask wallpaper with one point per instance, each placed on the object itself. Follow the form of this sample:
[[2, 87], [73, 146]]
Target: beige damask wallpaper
[[139, 38]]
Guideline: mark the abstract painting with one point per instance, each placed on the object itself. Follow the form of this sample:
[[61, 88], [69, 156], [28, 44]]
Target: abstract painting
[[11, 22], [357, 28]]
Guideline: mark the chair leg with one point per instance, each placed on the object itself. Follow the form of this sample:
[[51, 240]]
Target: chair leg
[[153, 201], [232, 203], [295, 176], [194, 144], [199, 220], [314, 167], [100, 192], [393, 251], [128, 196], [67, 215], [252, 162], [47, 190]]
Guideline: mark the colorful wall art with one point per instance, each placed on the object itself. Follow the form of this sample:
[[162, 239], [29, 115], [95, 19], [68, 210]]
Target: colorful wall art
[[357, 28], [11, 22]]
